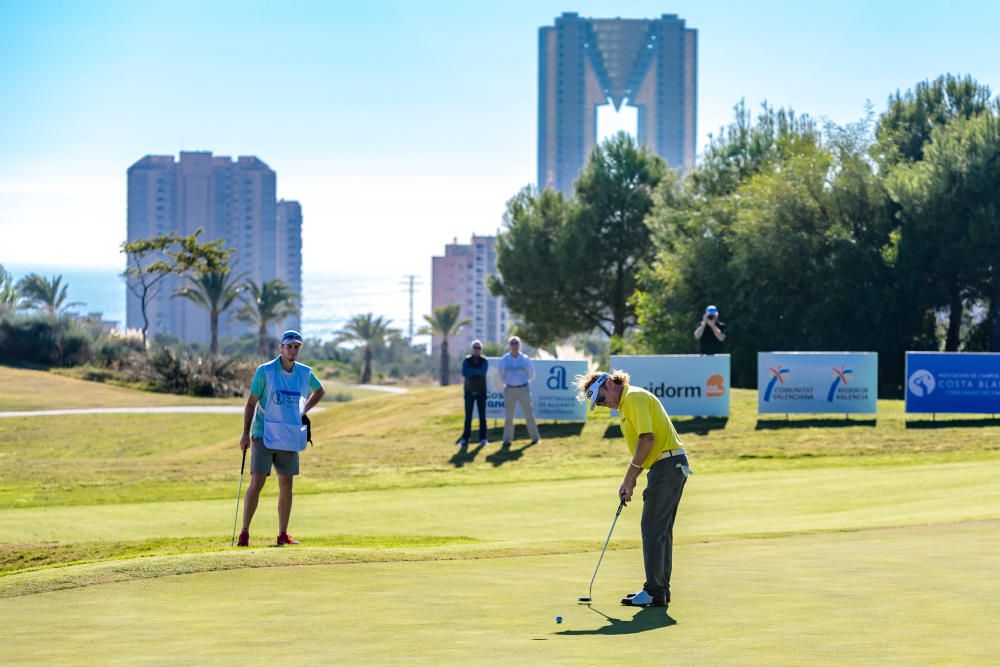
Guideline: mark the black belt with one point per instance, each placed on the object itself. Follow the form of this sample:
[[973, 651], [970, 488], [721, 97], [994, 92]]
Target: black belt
[[517, 386]]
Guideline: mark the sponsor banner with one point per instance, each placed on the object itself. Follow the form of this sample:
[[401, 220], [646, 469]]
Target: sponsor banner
[[553, 395], [817, 382], [687, 384], [966, 382]]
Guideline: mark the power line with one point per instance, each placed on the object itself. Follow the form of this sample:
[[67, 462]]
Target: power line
[[410, 282]]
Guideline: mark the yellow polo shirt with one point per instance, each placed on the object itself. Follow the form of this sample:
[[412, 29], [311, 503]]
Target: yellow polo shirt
[[641, 412]]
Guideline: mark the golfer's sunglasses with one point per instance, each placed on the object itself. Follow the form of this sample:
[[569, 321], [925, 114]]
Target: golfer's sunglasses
[[601, 398]]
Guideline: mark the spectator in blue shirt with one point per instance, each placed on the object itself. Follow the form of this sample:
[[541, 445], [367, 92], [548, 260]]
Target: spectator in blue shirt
[[474, 369]]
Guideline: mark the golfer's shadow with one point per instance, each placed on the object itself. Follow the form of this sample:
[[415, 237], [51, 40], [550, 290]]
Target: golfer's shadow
[[648, 618]]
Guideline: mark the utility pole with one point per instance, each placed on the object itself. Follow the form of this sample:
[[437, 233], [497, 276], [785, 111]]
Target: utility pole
[[410, 282]]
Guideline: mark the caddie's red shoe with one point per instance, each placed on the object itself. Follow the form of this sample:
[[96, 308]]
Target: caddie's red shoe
[[244, 540], [285, 538]]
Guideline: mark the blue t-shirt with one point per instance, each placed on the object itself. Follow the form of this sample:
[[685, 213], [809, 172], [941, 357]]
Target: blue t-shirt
[[259, 389]]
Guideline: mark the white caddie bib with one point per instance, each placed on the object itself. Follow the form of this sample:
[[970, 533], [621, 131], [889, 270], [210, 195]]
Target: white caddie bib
[[286, 401]]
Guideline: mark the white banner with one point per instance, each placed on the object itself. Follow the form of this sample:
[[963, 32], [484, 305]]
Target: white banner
[[817, 382], [687, 384], [553, 395]]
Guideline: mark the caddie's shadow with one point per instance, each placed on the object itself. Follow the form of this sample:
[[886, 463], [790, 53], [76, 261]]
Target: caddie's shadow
[[778, 424], [648, 618]]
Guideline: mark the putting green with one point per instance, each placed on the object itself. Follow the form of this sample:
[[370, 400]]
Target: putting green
[[893, 596]]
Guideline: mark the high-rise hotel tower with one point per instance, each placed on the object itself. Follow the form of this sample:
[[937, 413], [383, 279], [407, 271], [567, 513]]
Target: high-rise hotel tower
[[584, 63]]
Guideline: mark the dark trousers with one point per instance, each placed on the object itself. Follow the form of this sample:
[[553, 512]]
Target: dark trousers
[[479, 398], [664, 486]]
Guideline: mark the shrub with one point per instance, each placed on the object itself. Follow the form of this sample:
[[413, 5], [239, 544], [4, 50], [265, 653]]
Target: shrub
[[43, 340], [181, 372], [117, 351]]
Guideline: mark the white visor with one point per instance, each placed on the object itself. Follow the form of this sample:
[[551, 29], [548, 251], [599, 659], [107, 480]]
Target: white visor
[[594, 388]]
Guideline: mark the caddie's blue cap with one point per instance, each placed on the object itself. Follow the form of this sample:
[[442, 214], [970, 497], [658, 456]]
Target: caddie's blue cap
[[711, 310], [291, 336]]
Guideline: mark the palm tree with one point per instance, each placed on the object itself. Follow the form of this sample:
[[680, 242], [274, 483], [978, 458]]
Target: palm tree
[[215, 291], [444, 323], [271, 301], [369, 330], [9, 294], [45, 293]]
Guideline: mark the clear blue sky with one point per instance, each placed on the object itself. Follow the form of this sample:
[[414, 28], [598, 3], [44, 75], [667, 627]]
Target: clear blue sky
[[397, 124]]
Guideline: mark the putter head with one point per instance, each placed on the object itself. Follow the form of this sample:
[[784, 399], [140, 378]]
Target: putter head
[[584, 599]]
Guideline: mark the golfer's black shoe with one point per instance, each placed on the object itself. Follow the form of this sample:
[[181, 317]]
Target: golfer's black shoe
[[244, 539], [644, 599]]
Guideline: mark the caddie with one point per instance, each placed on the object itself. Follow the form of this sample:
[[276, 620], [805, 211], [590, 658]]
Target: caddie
[[281, 393], [655, 448]]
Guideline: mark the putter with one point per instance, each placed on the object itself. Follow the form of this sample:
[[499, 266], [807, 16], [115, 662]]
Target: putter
[[239, 490], [590, 596]]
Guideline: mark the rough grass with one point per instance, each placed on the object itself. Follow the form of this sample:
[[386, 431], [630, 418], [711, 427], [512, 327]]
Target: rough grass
[[342, 392], [23, 389]]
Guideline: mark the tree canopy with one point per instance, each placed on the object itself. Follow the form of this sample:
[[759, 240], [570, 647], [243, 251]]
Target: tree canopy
[[151, 260], [570, 265]]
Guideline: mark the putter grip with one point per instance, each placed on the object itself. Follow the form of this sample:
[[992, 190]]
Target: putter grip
[[309, 429]]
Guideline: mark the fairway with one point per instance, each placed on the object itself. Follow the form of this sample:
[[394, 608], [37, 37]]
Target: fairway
[[806, 541]]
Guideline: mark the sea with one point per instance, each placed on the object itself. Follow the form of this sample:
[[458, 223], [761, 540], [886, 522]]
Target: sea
[[329, 300]]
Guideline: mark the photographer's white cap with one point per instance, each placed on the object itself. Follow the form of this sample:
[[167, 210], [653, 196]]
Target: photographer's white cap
[[711, 310]]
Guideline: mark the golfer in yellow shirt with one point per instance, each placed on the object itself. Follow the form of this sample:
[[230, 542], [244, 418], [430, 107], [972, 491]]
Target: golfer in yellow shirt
[[655, 447]]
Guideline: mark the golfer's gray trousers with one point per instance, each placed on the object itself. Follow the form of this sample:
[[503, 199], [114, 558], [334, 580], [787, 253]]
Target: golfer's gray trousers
[[664, 486]]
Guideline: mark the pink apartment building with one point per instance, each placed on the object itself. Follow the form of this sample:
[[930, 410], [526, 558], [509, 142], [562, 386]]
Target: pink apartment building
[[460, 278]]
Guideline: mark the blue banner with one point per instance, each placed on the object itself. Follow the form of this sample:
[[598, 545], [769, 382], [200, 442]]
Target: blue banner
[[963, 382], [817, 382]]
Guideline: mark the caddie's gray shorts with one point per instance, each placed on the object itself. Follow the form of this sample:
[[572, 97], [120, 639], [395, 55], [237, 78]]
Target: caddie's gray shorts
[[262, 458]]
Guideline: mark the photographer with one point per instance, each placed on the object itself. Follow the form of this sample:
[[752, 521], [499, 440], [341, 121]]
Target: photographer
[[710, 342]]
